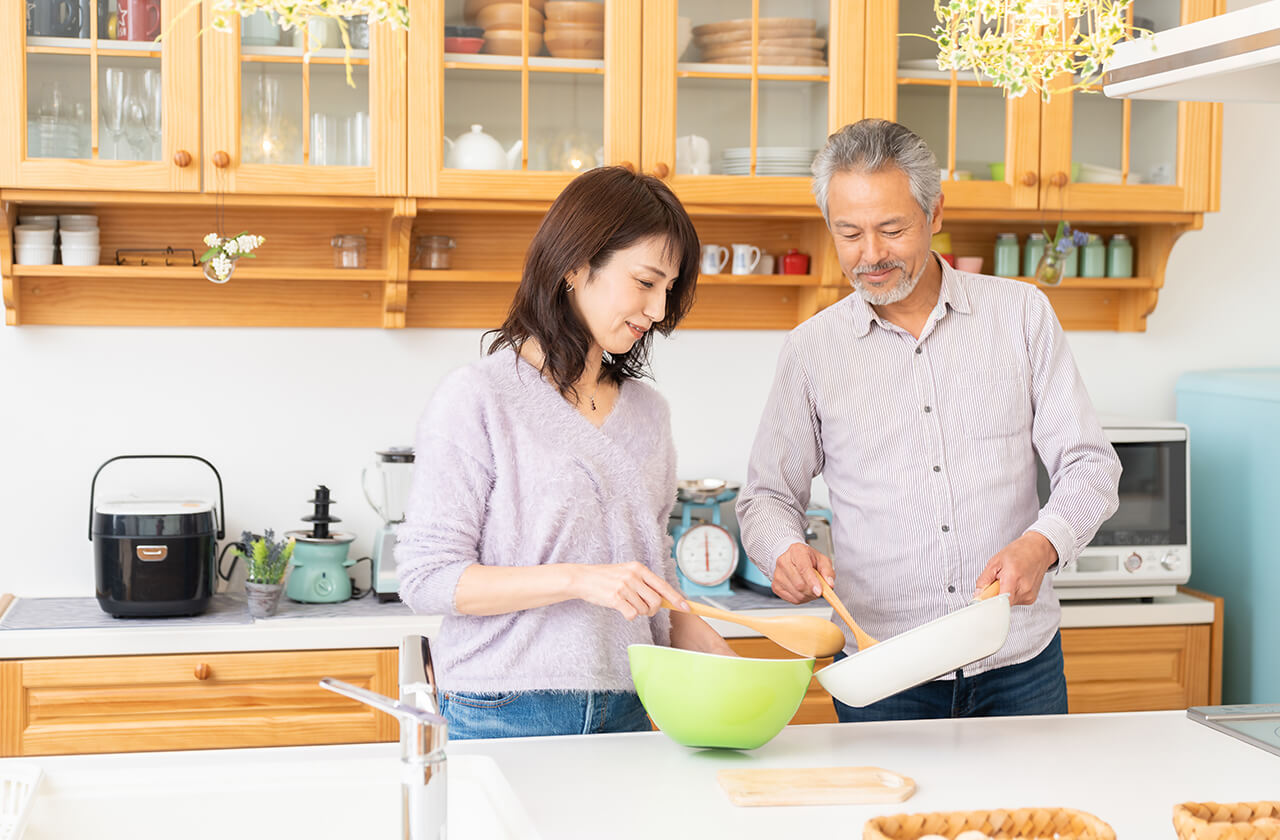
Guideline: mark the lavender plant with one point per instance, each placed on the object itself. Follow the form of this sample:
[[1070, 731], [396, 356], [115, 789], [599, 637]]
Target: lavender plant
[[266, 558], [1057, 247]]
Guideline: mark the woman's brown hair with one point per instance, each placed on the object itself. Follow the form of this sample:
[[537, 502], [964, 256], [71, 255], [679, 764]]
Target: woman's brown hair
[[602, 211]]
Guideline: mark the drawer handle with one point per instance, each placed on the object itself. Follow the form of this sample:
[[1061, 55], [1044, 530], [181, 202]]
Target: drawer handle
[[203, 671], [152, 553]]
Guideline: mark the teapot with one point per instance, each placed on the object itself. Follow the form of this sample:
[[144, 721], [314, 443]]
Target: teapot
[[477, 150]]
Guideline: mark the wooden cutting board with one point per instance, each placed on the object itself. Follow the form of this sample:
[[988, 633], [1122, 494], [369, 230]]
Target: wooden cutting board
[[815, 786]]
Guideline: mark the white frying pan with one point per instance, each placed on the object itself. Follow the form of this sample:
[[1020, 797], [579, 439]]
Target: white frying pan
[[920, 654]]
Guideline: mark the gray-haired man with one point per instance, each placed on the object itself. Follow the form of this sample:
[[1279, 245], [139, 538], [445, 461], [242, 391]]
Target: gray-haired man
[[924, 400]]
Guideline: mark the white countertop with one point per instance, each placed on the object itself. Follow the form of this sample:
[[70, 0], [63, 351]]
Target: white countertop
[[1127, 769], [386, 631]]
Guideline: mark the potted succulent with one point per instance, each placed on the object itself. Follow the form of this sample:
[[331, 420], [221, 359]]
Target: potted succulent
[[266, 560]]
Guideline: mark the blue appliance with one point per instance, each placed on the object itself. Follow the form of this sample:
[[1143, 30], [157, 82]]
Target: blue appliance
[[706, 554], [1234, 422], [817, 534]]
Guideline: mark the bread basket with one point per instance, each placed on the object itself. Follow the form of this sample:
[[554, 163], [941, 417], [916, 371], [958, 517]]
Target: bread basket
[[1015, 824], [1227, 820]]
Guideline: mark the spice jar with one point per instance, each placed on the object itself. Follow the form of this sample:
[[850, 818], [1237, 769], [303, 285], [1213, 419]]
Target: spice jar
[[1006, 257], [1093, 260], [433, 251], [1032, 254], [1119, 256], [349, 251]]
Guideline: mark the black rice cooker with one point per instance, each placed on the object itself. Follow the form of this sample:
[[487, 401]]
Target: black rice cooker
[[155, 558]]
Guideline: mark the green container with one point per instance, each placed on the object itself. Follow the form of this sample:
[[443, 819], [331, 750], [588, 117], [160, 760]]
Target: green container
[[706, 700], [1006, 256], [1119, 256], [1032, 253], [1093, 262], [1071, 263]]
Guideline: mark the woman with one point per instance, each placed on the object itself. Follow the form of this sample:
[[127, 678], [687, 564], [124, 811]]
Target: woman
[[545, 473]]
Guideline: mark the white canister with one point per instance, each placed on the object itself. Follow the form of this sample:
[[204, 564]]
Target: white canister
[[714, 259], [79, 238], [77, 220], [47, 221], [745, 258], [33, 254], [33, 235], [766, 264], [80, 254]]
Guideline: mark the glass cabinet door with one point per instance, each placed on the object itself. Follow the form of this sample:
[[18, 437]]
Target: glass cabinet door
[[1099, 151], [285, 113], [741, 94], [987, 147], [545, 91], [97, 102]]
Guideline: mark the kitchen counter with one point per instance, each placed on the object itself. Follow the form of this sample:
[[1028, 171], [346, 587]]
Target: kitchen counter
[[1127, 769], [361, 624]]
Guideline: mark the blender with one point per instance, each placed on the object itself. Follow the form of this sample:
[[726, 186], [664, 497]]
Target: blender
[[318, 568], [392, 477]]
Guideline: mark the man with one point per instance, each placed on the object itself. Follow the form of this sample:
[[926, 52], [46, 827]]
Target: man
[[924, 400]]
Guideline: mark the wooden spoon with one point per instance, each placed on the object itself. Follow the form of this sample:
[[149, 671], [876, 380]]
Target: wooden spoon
[[805, 635], [864, 641]]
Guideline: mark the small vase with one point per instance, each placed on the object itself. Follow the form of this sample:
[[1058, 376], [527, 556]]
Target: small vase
[[264, 598], [1049, 271], [212, 276]]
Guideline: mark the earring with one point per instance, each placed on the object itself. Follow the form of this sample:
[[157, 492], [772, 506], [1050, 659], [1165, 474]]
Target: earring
[[568, 287]]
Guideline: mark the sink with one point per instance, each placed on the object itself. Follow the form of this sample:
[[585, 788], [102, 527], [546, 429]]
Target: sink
[[316, 792]]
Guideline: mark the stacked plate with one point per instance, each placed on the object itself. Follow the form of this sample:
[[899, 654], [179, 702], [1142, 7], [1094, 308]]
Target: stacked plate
[[770, 160], [782, 41]]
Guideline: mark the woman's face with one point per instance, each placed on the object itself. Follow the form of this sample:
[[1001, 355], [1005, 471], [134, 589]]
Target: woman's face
[[622, 299]]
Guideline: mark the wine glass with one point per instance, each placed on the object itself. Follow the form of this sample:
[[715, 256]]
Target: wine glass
[[113, 105], [153, 98], [136, 117]]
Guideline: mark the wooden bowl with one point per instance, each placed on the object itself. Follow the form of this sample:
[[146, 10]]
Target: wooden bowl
[[577, 44], [473, 7], [508, 16], [507, 42], [575, 11]]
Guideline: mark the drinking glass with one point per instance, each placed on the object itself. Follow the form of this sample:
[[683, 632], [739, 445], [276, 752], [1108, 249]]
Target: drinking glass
[[113, 105], [357, 139], [136, 117], [153, 99]]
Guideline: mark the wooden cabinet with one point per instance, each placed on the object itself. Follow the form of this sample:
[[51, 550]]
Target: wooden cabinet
[[191, 701]]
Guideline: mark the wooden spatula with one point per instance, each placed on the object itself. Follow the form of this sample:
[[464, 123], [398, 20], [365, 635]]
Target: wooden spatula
[[864, 641], [806, 635]]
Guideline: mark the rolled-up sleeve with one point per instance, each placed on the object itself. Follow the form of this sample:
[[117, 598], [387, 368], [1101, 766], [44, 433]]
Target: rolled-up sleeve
[[1083, 468], [785, 458]]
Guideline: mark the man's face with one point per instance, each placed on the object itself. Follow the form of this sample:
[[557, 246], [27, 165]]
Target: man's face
[[881, 234]]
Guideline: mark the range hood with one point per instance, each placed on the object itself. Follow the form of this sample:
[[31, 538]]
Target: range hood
[[1233, 57]]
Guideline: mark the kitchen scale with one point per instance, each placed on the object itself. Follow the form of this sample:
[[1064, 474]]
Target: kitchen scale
[[706, 554], [1257, 724]]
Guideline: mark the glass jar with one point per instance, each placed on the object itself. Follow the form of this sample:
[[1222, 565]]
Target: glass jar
[[433, 251], [349, 251], [1031, 256], [1071, 263], [1006, 256], [1119, 256], [1093, 262]]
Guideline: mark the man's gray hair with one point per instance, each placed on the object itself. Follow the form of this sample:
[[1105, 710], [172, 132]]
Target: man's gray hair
[[871, 145]]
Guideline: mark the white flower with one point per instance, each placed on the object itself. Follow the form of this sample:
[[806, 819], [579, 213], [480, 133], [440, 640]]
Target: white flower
[[211, 240], [222, 266], [246, 242], [231, 246]]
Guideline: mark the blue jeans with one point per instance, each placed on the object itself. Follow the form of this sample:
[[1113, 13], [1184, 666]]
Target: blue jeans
[[1035, 687], [518, 714]]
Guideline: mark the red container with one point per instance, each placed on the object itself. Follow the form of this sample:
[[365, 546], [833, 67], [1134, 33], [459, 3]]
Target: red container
[[463, 45], [794, 262]]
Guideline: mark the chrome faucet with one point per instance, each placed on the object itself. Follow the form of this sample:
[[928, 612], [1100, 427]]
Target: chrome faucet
[[423, 735]]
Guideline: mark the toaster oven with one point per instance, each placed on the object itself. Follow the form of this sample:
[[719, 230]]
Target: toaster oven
[[1144, 549]]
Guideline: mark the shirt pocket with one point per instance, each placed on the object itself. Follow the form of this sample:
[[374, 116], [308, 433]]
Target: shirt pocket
[[994, 403]]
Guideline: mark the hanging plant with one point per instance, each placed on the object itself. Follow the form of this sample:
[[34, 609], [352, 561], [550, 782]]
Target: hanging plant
[[224, 251], [1057, 247], [1027, 45]]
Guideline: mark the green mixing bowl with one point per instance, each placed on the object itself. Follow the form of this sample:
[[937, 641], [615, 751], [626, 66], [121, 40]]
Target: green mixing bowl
[[706, 700]]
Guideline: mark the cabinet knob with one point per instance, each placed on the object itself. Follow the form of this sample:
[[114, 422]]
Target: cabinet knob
[[661, 171], [1030, 179], [203, 671], [221, 159], [1059, 179], [182, 158], [629, 166]]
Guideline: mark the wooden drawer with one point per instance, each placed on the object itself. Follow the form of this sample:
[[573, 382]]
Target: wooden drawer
[[191, 701], [816, 707], [1130, 669]]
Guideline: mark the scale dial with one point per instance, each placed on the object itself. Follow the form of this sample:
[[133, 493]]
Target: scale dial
[[707, 554]]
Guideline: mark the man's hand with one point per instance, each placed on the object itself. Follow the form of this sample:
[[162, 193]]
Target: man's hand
[[795, 577], [1020, 567]]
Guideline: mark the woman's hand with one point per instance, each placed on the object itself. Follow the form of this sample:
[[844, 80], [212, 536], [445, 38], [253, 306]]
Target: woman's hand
[[632, 589]]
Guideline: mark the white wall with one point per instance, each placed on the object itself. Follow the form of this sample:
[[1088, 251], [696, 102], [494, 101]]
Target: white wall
[[279, 411]]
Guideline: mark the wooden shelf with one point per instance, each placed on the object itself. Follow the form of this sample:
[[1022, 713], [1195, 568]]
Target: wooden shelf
[[759, 280], [245, 272]]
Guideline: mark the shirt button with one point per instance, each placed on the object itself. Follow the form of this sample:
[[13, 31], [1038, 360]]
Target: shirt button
[[951, 589], [946, 528], [937, 468], [928, 408], [919, 350]]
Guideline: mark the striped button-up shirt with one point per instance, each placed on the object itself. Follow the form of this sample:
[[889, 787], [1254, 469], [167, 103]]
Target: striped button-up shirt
[[928, 448]]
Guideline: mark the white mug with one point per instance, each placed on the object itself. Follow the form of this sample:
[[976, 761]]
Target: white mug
[[693, 155], [745, 258], [322, 33], [714, 258]]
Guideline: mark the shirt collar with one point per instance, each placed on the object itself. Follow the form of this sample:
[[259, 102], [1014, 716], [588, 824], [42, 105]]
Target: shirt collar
[[951, 294]]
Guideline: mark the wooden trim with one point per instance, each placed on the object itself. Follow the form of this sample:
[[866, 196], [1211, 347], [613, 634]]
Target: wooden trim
[[1215, 643], [8, 284], [13, 91], [14, 719], [846, 63], [881, 97], [658, 94], [399, 238], [426, 90], [623, 75]]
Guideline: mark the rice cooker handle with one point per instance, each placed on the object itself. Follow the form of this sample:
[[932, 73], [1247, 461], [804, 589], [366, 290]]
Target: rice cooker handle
[[222, 507]]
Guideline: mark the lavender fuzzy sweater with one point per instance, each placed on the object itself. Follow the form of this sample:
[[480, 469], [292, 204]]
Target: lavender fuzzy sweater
[[507, 473]]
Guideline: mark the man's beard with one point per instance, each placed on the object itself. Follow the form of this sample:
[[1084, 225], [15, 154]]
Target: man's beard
[[898, 291]]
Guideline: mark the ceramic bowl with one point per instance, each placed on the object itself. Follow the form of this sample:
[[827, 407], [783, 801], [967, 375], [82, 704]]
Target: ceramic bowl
[[463, 45], [80, 255], [589, 44], [507, 42], [33, 254], [706, 700], [575, 11], [472, 8], [509, 16]]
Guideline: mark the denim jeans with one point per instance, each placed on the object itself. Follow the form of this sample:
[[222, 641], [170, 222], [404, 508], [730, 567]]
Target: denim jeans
[[518, 714], [1035, 687]]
